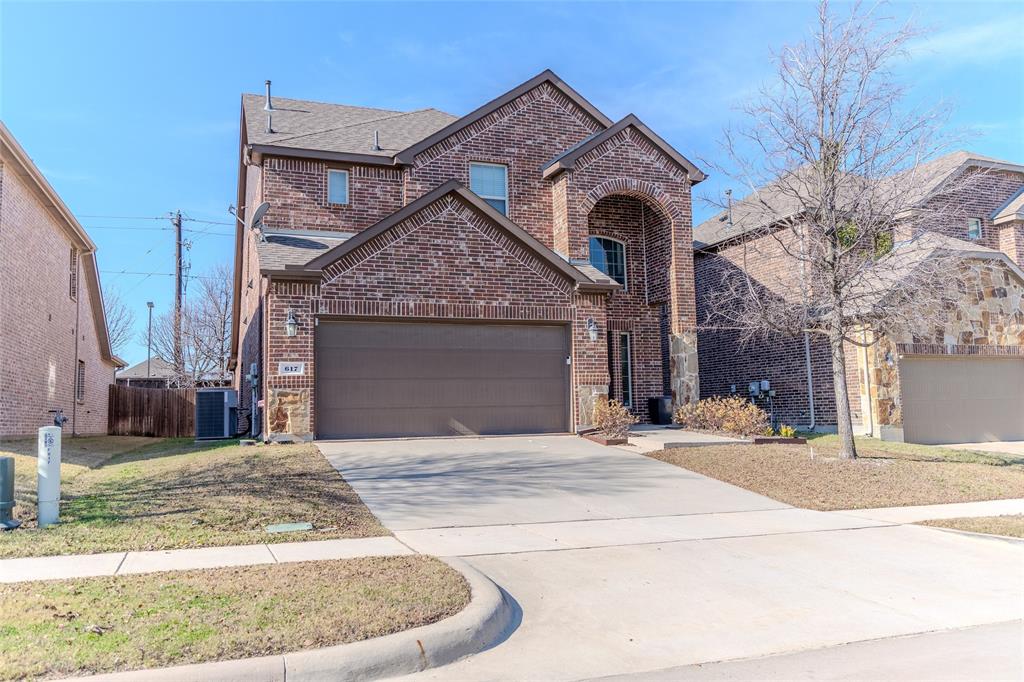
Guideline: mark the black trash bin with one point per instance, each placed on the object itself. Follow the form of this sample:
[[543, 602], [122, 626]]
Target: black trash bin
[[660, 410]]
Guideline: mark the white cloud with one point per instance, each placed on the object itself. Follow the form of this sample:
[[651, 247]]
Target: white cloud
[[980, 43]]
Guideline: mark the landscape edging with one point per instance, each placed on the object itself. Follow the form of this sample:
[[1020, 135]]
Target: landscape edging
[[487, 620]]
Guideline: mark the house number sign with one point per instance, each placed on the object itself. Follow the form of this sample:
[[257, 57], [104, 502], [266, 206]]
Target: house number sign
[[291, 368]]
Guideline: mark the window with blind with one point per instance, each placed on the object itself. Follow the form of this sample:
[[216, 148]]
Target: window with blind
[[73, 275], [80, 382], [490, 182]]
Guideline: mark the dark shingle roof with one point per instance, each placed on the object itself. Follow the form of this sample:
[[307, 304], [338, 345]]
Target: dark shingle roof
[[768, 205], [160, 369], [338, 127], [295, 247]]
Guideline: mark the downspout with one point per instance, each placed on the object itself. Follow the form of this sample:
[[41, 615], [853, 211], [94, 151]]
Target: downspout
[[810, 381], [74, 367], [867, 386]]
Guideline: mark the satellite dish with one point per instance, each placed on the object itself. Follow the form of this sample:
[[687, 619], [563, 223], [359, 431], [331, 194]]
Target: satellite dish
[[257, 215]]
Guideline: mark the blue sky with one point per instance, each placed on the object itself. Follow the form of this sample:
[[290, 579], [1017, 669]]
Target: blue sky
[[131, 109]]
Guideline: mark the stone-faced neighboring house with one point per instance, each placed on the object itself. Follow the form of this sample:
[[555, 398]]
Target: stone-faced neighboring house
[[417, 273], [962, 381], [54, 349]]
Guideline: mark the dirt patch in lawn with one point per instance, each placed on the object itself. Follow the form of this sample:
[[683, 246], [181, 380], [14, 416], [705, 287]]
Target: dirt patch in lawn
[[1009, 526], [176, 494], [885, 474], [92, 625]]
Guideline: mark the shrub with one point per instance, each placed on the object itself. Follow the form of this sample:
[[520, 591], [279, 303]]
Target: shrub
[[787, 431], [612, 418], [732, 415]]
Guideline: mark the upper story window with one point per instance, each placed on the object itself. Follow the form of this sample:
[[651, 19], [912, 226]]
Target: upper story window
[[337, 187], [73, 275], [490, 182], [609, 256], [974, 228]]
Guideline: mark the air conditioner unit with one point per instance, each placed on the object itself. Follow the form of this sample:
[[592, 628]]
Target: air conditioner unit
[[216, 413]]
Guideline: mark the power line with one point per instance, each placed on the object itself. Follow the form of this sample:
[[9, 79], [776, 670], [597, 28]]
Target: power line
[[125, 217], [157, 229], [154, 274]]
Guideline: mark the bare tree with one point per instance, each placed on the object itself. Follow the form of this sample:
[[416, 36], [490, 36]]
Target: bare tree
[[833, 157], [120, 320], [205, 331]]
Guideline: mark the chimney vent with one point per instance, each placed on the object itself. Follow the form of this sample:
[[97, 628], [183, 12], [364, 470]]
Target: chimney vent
[[269, 108], [376, 141]]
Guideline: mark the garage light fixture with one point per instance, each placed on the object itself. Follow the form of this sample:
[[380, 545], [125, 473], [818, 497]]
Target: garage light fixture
[[592, 328], [291, 325]]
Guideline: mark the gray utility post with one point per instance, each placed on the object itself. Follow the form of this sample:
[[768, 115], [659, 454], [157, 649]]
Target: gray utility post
[[149, 341], [178, 292]]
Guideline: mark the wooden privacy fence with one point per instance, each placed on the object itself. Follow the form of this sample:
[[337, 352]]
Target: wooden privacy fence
[[161, 412]]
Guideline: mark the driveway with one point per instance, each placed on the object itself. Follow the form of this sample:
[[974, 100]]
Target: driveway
[[622, 564], [1005, 447]]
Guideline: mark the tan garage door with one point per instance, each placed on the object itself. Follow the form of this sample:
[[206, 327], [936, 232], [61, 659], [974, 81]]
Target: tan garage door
[[384, 379], [962, 400]]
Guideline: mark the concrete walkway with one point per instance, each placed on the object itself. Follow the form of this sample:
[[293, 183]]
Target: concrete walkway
[[124, 563], [939, 511], [622, 564], [651, 438]]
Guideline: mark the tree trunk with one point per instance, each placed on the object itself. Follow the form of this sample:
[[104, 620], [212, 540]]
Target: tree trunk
[[844, 421]]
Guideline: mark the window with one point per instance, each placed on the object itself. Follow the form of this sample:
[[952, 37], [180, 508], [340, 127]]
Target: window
[[80, 382], [490, 182], [626, 369], [609, 256], [337, 187], [974, 228], [73, 275]]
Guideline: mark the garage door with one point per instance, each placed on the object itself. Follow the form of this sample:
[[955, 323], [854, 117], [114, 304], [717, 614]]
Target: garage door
[[382, 379], [962, 400]]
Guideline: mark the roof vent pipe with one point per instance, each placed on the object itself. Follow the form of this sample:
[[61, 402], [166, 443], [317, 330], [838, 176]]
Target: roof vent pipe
[[728, 198], [269, 108], [376, 141]]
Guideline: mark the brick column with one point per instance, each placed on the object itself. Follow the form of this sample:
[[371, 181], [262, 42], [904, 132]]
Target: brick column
[[289, 399], [589, 358], [682, 307]]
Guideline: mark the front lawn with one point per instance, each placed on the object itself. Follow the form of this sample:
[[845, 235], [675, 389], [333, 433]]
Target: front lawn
[[1010, 525], [85, 626], [885, 474], [175, 493]]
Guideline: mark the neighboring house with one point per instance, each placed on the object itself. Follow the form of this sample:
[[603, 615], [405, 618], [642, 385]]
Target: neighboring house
[[158, 373], [418, 273], [963, 382], [154, 373], [54, 349]]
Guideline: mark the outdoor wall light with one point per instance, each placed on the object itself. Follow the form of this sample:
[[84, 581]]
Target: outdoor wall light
[[291, 325], [592, 328]]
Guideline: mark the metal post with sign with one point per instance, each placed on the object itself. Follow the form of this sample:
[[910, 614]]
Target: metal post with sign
[[48, 471]]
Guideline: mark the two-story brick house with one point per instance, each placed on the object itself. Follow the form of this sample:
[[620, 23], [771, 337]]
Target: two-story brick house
[[963, 382], [415, 273], [54, 349]]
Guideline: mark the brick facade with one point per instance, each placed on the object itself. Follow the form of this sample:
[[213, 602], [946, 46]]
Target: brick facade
[[726, 362], [448, 262], [44, 331]]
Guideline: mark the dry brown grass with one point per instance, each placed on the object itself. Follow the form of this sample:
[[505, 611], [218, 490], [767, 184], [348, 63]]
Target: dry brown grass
[[175, 493], [1009, 526], [92, 625], [885, 475]]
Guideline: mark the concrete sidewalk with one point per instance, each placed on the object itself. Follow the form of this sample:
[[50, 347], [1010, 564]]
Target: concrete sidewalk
[[125, 563], [939, 511]]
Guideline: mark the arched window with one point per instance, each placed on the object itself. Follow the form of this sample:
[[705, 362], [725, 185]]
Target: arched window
[[609, 256]]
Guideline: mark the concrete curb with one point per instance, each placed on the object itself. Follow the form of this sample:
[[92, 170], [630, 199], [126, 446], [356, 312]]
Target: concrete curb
[[486, 621]]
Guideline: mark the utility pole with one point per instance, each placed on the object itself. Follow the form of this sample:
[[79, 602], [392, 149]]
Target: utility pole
[[149, 341], [178, 282]]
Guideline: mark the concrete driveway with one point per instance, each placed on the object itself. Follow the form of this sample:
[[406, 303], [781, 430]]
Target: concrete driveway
[[1004, 447], [622, 564]]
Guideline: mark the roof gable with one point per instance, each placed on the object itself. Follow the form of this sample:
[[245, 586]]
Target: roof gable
[[407, 155], [567, 160], [459, 191]]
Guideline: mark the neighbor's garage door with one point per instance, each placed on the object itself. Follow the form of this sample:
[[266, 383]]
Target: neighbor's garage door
[[962, 400], [378, 379]]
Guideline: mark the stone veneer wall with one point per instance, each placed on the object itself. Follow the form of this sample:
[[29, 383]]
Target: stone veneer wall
[[988, 321]]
